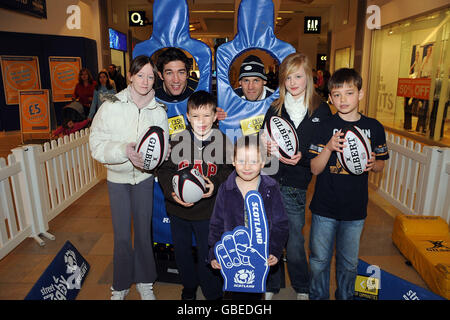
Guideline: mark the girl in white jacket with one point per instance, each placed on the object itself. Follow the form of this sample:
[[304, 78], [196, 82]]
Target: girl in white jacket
[[114, 133]]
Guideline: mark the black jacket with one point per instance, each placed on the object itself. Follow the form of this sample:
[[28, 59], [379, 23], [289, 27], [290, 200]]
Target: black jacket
[[210, 163], [300, 175]]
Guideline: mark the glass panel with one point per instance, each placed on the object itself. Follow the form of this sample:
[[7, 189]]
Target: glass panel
[[408, 65]]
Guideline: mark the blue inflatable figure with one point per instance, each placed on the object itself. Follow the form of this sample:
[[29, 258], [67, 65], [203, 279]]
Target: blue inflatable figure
[[243, 252], [255, 31], [171, 29]]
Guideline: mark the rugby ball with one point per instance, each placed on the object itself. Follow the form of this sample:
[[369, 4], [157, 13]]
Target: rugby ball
[[357, 151], [283, 133], [189, 185], [153, 145]]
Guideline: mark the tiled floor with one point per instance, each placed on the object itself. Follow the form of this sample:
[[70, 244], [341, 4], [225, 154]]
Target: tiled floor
[[87, 224]]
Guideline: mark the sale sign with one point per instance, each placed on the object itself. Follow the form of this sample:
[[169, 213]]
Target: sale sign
[[64, 77], [414, 88], [19, 73], [34, 111]]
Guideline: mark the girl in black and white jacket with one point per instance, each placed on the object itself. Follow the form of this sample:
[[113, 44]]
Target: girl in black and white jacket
[[303, 109]]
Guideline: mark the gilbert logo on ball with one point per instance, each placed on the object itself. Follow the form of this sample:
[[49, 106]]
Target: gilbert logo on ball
[[189, 185], [153, 145], [283, 133], [357, 152]]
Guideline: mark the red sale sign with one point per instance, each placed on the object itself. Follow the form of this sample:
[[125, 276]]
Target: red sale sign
[[415, 88]]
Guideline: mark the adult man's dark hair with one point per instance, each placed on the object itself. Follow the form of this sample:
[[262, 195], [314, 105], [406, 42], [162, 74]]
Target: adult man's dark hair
[[172, 54]]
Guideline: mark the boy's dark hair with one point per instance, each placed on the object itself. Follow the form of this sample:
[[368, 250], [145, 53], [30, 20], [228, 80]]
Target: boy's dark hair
[[200, 99], [172, 54], [344, 75], [250, 141]]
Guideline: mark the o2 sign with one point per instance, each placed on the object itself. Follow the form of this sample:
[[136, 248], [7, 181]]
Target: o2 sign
[[136, 18]]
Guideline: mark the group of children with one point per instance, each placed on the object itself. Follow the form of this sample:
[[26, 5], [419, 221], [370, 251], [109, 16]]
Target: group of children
[[339, 204]]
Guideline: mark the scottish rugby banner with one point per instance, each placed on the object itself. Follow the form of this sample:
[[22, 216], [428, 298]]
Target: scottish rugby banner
[[243, 252], [63, 278]]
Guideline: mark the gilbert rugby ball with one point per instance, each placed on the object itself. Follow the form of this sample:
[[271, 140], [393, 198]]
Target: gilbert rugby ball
[[188, 184], [357, 151], [153, 145], [283, 133]]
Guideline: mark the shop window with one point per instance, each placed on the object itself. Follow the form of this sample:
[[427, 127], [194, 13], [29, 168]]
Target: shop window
[[409, 65]]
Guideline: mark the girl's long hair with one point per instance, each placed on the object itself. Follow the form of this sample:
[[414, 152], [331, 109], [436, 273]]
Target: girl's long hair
[[289, 65], [108, 81], [90, 78]]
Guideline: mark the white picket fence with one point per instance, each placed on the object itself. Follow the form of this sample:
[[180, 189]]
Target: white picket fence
[[416, 178], [39, 182]]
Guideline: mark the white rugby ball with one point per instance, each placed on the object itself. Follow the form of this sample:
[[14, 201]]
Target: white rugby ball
[[357, 152], [285, 136], [189, 185], [154, 146]]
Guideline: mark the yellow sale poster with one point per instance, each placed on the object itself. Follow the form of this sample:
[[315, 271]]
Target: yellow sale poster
[[19, 73], [64, 77], [34, 111]]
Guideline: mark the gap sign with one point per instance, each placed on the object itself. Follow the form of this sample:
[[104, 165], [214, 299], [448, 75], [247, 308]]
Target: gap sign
[[312, 25]]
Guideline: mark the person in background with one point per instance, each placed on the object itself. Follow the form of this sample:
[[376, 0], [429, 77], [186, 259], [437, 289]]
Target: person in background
[[119, 81], [103, 90], [84, 90], [115, 130], [73, 120]]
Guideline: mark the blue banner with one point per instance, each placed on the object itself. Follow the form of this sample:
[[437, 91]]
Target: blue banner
[[243, 252], [63, 278], [373, 283]]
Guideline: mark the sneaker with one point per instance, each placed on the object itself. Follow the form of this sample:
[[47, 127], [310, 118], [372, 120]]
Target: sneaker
[[268, 295], [302, 296], [146, 291], [119, 295]]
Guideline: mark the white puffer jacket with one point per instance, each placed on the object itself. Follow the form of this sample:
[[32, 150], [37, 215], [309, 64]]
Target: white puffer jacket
[[118, 123]]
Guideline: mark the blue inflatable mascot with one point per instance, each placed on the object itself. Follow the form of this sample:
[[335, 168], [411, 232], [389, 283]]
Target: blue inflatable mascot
[[171, 29], [255, 31]]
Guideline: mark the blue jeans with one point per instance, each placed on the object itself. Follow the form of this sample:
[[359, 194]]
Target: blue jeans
[[324, 231], [294, 200]]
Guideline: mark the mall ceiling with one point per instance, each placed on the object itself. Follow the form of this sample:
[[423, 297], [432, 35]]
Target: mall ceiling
[[211, 19]]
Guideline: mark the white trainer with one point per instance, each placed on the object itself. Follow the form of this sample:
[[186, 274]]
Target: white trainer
[[268, 295], [119, 295], [146, 291], [302, 296]]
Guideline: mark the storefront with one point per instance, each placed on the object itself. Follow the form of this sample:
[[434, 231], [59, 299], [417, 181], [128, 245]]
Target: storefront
[[409, 76]]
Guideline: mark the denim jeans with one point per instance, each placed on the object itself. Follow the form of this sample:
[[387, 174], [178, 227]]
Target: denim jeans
[[294, 203], [324, 231]]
